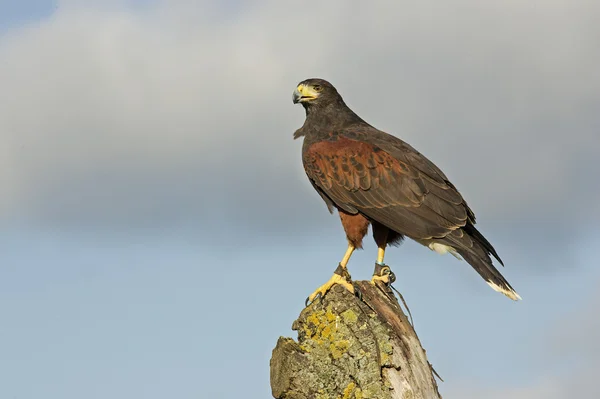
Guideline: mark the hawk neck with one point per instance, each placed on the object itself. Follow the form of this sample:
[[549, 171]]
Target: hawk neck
[[325, 122]]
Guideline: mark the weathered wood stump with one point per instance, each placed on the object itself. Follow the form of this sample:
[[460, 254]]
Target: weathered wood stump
[[352, 348]]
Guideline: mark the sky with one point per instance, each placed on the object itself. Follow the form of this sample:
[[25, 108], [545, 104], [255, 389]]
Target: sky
[[158, 233]]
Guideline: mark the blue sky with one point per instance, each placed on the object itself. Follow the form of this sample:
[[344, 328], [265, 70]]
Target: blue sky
[[15, 13], [158, 234]]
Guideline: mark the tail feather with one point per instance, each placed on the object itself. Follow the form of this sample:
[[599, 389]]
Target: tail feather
[[490, 274], [477, 236], [474, 248]]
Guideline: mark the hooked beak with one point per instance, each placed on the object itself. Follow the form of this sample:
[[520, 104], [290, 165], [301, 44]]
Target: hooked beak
[[303, 94], [296, 96]]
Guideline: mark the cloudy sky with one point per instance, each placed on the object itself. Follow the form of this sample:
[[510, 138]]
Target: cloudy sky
[[157, 230]]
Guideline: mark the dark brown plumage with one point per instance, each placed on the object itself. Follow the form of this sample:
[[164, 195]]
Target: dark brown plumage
[[373, 177]]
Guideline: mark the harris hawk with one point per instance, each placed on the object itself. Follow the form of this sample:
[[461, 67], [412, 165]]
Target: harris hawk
[[374, 178]]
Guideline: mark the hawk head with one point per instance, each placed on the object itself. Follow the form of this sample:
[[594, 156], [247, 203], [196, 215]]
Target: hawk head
[[315, 92]]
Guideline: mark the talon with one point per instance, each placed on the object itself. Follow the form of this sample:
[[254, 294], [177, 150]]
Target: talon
[[384, 274], [308, 301], [341, 277], [392, 277]]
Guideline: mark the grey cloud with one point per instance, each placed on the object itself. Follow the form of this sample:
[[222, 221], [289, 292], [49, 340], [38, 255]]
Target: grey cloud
[[181, 113]]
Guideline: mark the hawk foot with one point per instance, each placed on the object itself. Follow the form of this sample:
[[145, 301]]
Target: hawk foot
[[384, 274], [340, 276]]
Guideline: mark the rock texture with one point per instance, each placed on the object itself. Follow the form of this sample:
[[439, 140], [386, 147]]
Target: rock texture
[[351, 348]]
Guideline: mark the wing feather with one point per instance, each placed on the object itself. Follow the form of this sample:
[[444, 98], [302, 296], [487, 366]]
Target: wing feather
[[398, 188]]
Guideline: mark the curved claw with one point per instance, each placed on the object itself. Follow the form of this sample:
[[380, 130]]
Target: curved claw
[[392, 277], [338, 279], [308, 302], [384, 274]]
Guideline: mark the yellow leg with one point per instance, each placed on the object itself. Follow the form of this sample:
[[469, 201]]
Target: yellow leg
[[341, 277], [380, 255], [347, 255]]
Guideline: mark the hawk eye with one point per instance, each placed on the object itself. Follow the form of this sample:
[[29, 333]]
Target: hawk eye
[[317, 87]]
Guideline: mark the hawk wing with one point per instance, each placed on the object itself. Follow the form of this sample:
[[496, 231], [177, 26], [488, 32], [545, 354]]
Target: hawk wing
[[389, 182]]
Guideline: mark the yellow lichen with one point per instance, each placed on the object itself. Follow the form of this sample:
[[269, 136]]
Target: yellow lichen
[[385, 346], [321, 328], [330, 315], [385, 359], [351, 392], [305, 348], [350, 317], [338, 348], [313, 319], [348, 391], [322, 395], [326, 332]]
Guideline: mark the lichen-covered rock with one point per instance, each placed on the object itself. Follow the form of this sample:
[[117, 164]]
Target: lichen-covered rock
[[350, 348]]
